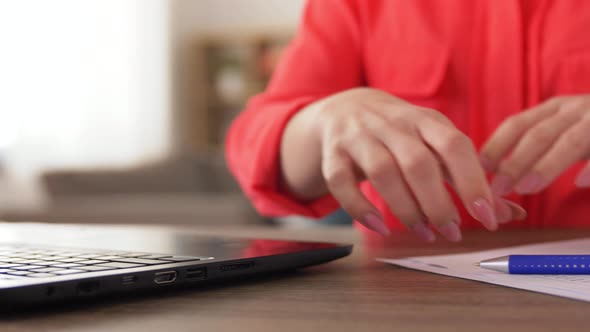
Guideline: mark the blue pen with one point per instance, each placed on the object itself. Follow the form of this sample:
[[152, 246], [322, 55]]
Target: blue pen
[[539, 264]]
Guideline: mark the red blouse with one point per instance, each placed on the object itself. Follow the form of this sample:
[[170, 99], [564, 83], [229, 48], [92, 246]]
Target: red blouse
[[477, 62]]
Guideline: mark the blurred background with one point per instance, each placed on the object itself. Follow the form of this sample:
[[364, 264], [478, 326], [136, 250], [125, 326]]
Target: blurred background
[[116, 110]]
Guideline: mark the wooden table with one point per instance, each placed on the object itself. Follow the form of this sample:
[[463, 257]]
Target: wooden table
[[352, 294]]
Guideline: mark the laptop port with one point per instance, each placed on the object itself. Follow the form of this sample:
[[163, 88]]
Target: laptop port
[[165, 277], [199, 273], [236, 266], [128, 280], [87, 288]]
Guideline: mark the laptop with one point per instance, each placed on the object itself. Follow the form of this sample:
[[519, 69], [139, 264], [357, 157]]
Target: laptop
[[34, 272]]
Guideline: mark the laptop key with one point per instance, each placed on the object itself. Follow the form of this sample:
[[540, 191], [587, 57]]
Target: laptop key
[[71, 260], [94, 268], [108, 258], [19, 273], [52, 263], [27, 267], [135, 255], [69, 254], [19, 256], [31, 256], [47, 269], [9, 259], [152, 256], [33, 262], [119, 265], [89, 255], [51, 258], [92, 262], [64, 272], [66, 265], [13, 261], [40, 275]]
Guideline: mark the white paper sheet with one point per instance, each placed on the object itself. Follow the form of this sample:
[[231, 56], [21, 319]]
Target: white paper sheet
[[463, 266]]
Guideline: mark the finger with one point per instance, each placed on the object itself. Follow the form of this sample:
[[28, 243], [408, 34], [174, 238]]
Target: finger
[[571, 147], [461, 161], [381, 169], [423, 175], [531, 148], [499, 145], [505, 210], [337, 169]]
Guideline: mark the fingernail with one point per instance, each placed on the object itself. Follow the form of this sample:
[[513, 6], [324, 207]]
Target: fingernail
[[423, 232], [482, 210], [486, 164], [375, 223], [518, 212], [501, 185], [531, 183], [451, 231], [503, 211], [583, 180]]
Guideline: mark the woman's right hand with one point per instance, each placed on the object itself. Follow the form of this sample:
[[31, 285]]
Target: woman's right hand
[[406, 152]]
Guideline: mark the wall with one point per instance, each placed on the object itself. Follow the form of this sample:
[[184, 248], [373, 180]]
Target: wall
[[83, 84], [192, 20], [106, 82]]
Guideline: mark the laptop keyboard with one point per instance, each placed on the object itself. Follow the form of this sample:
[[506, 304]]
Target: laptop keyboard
[[24, 261]]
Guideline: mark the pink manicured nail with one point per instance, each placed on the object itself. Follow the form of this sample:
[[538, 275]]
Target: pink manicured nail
[[531, 183], [450, 231], [501, 185], [518, 212], [486, 164], [423, 232], [483, 211], [375, 223], [503, 211], [583, 180]]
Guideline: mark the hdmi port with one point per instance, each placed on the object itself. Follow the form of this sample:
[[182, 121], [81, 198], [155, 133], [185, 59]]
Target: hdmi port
[[165, 277]]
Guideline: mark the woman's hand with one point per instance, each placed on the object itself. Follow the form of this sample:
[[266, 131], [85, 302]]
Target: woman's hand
[[529, 150], [406, 152]]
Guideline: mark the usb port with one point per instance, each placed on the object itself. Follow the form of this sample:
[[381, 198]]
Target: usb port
[[196, 273], [128, 280], [165, 277]]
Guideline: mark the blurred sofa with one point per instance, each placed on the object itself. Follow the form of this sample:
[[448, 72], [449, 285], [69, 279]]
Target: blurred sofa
[[188, 188]]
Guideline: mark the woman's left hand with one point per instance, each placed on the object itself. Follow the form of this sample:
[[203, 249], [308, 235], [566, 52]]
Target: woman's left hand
[[530, 149]]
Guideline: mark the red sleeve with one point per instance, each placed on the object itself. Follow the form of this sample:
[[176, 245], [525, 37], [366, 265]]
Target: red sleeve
[[324, 58]]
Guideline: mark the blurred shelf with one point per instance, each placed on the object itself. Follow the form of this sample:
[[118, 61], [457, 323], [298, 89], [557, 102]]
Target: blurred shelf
[[233, 66]]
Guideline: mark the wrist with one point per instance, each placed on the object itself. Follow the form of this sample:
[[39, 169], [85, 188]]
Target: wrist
[[300, 155]]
